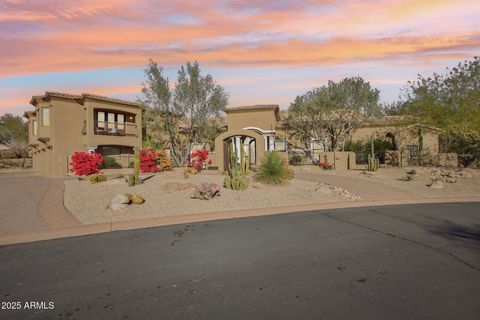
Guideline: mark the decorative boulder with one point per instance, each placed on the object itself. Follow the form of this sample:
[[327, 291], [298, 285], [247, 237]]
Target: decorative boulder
[[436, 184], [137, 199], [97, 177], [120, 201], [101, 177]]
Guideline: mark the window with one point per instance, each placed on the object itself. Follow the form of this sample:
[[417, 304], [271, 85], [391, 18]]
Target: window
[[34, 127], [45, 116], [101, 120], [111, 122], [120, 121], [413, 150], [269, 142], [280, 145]]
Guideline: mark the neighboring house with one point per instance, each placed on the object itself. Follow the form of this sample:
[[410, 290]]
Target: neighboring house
[[409, 140], [62, 124]]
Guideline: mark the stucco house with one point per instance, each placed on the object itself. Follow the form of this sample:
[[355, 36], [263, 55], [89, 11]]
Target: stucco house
[[408, 139], [259, 128], [62, 124]]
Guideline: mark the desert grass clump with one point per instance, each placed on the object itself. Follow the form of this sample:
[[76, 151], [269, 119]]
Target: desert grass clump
[[273, 169]]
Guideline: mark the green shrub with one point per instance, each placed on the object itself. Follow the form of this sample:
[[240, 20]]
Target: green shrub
[[273, 169], [296, 160], [110, 163]]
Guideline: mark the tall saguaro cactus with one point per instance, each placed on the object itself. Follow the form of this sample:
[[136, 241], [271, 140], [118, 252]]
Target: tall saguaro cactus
[[236, 176], [373, 162], [136, 167], [134, 179]]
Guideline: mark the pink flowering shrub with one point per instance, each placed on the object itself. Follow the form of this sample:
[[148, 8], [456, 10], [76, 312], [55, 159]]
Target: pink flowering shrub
[[85, 164], [199, 160], [152, 160]]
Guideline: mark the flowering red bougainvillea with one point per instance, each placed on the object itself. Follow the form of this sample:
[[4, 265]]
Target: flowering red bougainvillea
[[198, 159], [85, 164], [154, 161]]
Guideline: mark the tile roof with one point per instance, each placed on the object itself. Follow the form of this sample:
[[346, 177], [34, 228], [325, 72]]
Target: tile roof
[[81, 98]]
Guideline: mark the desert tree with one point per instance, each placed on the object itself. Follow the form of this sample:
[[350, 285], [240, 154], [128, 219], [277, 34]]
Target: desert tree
[[330, 113], [450, 102], [14, 134], [184, 113]]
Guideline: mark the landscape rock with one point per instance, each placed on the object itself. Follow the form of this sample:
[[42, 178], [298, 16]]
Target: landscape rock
[[118, 206], [323, 188], [464, 174], [173, 186], [120, 199], [450, 180], [137, 199], [436, 184], [119, 202]]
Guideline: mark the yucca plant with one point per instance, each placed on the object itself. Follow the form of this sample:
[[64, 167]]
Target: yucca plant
[[273, 169]]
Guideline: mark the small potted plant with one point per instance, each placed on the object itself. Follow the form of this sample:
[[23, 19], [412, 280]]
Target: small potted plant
[[326, 165]]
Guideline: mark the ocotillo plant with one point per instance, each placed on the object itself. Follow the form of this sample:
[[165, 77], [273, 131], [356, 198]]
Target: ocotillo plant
[[373, 162], [236, 176]]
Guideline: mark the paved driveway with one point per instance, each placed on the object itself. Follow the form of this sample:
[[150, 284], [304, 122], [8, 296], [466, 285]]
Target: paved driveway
[[31, 203], [394, 262]]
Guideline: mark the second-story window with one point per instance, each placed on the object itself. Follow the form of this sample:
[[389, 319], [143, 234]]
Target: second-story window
[[120, 122], [45, 116], [34, 127], [101, 120], [107, 122]]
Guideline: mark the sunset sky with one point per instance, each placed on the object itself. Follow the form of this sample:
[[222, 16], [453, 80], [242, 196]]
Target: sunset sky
[[262, 52]]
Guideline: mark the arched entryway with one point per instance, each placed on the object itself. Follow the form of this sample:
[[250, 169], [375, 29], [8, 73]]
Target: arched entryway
[[252, 142], [391, 136], [237, 143]]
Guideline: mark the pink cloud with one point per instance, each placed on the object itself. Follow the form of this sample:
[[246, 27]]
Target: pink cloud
[[88, 34]]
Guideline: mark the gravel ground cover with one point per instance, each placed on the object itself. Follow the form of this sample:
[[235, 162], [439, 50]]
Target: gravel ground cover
[[89, 202], [456, 182]]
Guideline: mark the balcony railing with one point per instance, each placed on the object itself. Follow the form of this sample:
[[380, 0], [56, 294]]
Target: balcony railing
[[116, 128]]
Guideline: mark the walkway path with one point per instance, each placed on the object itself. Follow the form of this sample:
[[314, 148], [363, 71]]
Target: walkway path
[[32, 203], [370, 191]]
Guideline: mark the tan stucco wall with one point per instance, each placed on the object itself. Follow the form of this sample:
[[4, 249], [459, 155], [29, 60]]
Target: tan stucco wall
[[66, 133], [67, 122], [341, 160], [263, 119]]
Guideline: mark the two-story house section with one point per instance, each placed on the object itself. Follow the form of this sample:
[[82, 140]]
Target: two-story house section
[[62, 124]]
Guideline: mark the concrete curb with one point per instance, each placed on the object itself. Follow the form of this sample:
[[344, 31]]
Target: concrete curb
[[24, 237]]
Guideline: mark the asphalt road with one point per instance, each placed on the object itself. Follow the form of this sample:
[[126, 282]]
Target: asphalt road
[[397, 262]]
